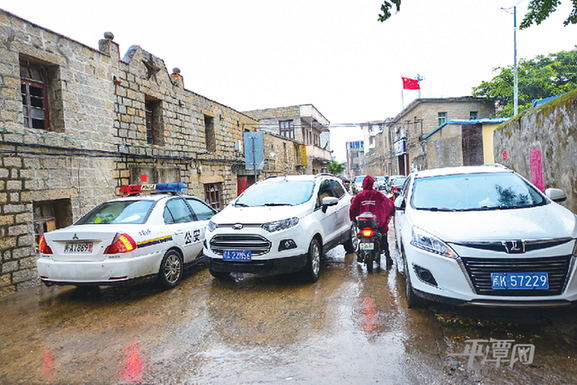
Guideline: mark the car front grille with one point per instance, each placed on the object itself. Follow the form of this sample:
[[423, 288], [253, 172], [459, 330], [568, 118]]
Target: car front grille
[[255, 243], [480, 270]]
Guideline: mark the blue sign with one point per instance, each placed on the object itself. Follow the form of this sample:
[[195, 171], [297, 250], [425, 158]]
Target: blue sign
[[253, 151]]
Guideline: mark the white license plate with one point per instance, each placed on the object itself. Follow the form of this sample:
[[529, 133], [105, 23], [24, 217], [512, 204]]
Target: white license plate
[[520, 281], [237, 255], [367, 246], [78, 247]]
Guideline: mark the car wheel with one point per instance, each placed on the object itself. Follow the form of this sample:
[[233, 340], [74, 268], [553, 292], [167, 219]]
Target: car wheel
[[313, 266], [171, 270], [352, 243], [413, 301], [219, 274]]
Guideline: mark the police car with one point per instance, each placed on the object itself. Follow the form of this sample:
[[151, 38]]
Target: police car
[[129, 239]]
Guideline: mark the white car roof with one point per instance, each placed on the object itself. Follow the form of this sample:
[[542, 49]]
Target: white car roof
[[488, 168]]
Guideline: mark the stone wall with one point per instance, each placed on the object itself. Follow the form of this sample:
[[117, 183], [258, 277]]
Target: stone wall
[[549, 133]]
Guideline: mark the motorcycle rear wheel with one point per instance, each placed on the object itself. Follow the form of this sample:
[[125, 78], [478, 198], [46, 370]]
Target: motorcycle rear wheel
[[369, 257]]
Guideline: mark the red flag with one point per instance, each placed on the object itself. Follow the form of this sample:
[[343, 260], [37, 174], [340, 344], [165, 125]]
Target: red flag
[[411, 84]]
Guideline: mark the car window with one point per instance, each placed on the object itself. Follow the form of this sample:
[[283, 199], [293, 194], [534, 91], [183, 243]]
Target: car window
[[338, 189], [176, 211], [487, 191], [326, 189], [118, 212], [201, 210], [281, 192]]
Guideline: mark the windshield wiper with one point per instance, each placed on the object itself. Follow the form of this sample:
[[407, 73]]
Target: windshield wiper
[[241, 204], [277, 204], [436, 209]]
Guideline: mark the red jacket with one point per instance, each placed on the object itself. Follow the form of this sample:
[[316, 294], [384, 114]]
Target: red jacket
[[373, 201]]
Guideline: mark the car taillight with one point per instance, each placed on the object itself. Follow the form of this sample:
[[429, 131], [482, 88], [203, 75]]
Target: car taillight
[[367, 232], [43, 246], [122, 243]]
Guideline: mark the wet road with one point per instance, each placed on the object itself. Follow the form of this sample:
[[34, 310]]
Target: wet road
[[350, 327]]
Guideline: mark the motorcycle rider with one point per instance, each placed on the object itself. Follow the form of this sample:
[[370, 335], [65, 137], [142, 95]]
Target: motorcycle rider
[[377, 203]]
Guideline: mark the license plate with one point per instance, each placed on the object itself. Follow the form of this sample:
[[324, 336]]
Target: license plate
[[520, 281], [78, 247], [366, 246], [237, 255]]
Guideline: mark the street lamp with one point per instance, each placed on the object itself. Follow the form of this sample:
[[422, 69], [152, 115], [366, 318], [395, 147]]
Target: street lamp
[[515, 81]]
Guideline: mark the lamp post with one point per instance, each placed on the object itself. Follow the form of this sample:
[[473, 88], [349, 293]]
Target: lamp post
[[515, 81]]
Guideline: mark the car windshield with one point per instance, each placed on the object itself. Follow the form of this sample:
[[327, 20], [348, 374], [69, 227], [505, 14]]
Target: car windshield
[[399, 181], [135, 212], [277, 193], [468, 192]]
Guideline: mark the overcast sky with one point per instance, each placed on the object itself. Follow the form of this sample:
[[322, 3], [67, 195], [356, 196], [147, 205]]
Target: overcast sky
[[334, 54]]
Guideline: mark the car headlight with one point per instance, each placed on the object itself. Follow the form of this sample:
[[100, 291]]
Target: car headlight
[[211, 226], [283, 224], [424, 240]]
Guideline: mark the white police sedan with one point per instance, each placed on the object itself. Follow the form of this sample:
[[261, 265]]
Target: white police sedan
[[128, 240]]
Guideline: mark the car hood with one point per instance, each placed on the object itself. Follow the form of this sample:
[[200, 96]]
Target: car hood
[[541, 222], [259, 214]]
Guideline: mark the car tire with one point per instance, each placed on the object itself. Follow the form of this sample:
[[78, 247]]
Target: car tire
[[413, 301], [312, 268], [171, 269], [352, 243], [219, 274]]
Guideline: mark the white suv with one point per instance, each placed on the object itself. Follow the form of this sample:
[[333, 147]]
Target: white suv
[[281, 225]]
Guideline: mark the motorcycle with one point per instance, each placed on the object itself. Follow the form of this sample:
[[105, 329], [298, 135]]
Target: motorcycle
[[369, 245]]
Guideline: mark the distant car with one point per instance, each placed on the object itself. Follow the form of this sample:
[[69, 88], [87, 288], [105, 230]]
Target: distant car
[[396, 185], [483, 235], [348, 185], [128, 239], [359, 182], [381, 183], [281, 225]]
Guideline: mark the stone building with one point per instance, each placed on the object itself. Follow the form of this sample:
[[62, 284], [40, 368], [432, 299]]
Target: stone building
[[304, 125], [406, 131], [458, 143], [76, 123]]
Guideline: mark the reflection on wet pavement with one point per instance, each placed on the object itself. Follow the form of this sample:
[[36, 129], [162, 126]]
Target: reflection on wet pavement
[[349, 327]]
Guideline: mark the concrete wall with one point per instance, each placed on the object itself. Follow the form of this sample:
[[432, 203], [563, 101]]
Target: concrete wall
[[550, 130]]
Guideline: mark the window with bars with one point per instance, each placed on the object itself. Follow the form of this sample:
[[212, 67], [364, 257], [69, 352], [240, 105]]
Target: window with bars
[[474, 115], [212, 195], [34, 96], [287, 129]]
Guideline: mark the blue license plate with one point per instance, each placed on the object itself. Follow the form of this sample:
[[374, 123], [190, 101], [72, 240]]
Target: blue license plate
[[520, 281], [237, 255]]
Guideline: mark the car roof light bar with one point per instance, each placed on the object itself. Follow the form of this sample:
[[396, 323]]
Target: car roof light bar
[[134, 189]]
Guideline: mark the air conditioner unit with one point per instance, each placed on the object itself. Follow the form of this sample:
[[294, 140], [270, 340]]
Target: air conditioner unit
[[403, 133]]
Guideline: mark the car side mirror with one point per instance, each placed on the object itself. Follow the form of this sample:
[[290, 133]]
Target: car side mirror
[[329, 201], [400, 203], [556, 195]]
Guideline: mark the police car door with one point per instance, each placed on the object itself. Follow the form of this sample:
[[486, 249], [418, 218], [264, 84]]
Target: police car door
[[203, 213], [184, 229]]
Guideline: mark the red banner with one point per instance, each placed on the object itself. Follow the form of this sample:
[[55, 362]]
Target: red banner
[[411, 84]]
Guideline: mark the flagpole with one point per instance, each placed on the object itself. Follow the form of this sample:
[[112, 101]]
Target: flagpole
[[403, 97]]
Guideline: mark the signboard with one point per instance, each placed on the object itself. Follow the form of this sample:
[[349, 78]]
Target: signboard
[[400, 147], [253, 151]]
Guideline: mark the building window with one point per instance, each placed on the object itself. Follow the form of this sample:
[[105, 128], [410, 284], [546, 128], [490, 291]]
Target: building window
[[442, 118], [34, 96], [286, 128], [212, 195], [209, 133], [474, 115], [51, 215], [149, 123]]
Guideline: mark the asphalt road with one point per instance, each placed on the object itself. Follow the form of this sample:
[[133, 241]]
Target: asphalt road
[[350, 327]]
